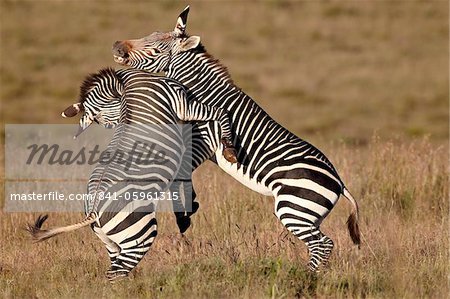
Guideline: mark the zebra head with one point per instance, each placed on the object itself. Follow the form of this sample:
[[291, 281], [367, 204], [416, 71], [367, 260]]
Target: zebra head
[[100, 100], [155, 51]]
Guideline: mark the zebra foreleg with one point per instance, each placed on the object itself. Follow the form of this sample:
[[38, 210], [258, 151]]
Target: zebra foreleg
[[185, 206], [184, 218]]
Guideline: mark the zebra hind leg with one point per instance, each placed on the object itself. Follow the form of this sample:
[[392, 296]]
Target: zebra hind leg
[[127, 247], [128, 259], [320, 250], [301, 212], [327, 249], [116, 269], [113, 252], [115, 273]]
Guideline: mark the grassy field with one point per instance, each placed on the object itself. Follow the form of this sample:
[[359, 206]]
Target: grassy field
[[365, 82]]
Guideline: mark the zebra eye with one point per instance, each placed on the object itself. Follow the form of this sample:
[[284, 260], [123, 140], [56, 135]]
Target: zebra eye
[[152, 51]]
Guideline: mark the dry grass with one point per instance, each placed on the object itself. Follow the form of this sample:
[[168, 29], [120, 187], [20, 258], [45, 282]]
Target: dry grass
[[338, 70], [236, 246], [331, 72]]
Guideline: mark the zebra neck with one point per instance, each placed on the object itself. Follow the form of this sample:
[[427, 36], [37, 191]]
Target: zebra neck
[[200, 72], [112, 86]]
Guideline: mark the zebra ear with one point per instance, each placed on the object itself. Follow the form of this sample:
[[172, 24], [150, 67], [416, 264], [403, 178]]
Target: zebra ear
[[190, 43], [72, 110], [180, 26]]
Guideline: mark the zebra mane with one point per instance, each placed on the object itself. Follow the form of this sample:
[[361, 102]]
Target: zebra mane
[[223, 70], [94, 79]]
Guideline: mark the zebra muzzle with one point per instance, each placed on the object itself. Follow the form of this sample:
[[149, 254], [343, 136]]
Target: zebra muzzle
[[80, 130], [120, 60]]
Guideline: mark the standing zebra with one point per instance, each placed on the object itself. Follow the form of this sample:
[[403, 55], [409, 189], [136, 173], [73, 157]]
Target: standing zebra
[[274, 161], [148, 109]]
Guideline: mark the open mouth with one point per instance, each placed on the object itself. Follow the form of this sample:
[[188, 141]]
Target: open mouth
[[120, 60]]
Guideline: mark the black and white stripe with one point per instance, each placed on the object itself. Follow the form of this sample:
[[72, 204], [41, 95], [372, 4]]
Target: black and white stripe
[[305, 184], [146, 109]]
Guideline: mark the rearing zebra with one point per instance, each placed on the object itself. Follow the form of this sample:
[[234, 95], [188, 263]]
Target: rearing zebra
[[147, 108], [274, 161]]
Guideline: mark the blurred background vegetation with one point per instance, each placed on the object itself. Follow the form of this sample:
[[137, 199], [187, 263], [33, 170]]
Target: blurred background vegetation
[[341, 71], [365, 81]]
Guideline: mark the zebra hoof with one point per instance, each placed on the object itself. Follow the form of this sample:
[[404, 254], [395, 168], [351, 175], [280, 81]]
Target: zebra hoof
[[230, 154], [313, 268], [229, 151], [116, 275], [183, 223], [195, 206]]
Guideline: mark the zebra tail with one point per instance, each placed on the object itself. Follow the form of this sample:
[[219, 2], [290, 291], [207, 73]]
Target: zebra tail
[[352, 221], [39, 234]]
